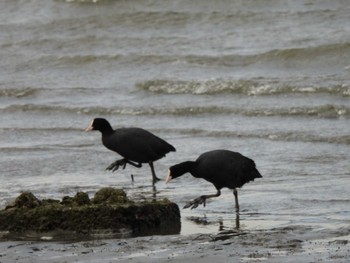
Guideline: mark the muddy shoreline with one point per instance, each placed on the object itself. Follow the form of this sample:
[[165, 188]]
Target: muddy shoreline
[[289, 244], [238, 243]]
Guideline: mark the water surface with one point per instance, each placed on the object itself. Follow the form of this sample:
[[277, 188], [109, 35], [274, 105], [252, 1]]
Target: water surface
[[269, 79]]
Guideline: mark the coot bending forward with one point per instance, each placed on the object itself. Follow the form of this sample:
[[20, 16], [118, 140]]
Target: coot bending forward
[[222, 168], [135, 145]]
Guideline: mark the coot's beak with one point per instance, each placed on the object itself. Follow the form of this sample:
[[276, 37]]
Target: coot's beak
[[90, 127], [168, 178]]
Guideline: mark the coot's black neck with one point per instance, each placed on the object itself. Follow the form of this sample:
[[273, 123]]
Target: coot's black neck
[[106, 129], [182, 168]]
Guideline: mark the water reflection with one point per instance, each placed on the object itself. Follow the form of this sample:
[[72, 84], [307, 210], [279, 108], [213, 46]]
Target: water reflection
[[204, 221]]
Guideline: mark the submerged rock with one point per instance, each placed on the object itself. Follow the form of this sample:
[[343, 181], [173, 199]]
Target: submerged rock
[[110, 210]]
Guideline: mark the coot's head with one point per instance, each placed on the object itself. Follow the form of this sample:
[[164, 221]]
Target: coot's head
[[99, 124], [179, 169]]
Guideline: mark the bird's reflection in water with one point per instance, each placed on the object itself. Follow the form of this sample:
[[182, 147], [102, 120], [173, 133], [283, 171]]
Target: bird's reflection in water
[[154, 193], [222, 228], [143, 192]]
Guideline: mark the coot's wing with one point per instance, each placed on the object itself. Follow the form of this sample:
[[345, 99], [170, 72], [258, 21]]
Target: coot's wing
[[226, 168], [138, 145]]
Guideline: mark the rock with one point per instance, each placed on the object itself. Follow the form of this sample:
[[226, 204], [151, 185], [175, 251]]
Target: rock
[[26, 200], [109, 195], [110, 210], [79, 199]]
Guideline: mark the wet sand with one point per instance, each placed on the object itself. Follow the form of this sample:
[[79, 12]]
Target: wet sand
[[289, 244]]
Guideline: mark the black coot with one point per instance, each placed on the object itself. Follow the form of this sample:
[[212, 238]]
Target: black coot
[[222, 168], [136, 145]]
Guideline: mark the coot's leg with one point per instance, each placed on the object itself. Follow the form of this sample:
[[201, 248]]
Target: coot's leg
[[235, 193], [137, 165], [154, 177], [115, 165], [201, 200]]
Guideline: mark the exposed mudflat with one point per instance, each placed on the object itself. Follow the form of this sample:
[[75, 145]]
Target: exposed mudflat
[[290, 244]]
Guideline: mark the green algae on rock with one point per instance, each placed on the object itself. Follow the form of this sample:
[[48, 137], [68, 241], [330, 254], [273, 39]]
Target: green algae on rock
[[109, 195], [109, 211]]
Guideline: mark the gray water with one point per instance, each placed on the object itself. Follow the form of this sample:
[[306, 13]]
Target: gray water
[[269, 79]]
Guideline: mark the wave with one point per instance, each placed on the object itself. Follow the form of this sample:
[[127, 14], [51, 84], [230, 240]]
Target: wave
[[18, 92], [245, 87], [308, 54], [252, 87], [87, 59], [333, 54], [249, 87], [61, 91], [43, 147], [297, 58], [324, 111], [319, 56], [274, 136], [47, 129]]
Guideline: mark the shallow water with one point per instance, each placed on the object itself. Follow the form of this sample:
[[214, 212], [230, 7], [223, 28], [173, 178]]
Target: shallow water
[[269, 79]]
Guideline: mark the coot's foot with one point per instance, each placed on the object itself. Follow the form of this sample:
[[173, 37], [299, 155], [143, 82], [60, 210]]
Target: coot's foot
[[196, 202], [115, 165]]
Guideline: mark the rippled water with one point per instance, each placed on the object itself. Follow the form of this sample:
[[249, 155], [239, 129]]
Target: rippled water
[[269, 79]]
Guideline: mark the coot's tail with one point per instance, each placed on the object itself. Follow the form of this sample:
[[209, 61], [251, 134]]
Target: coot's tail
[[250, 173], [166, 147], [171, 148], [255, 174], [162, 148]]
